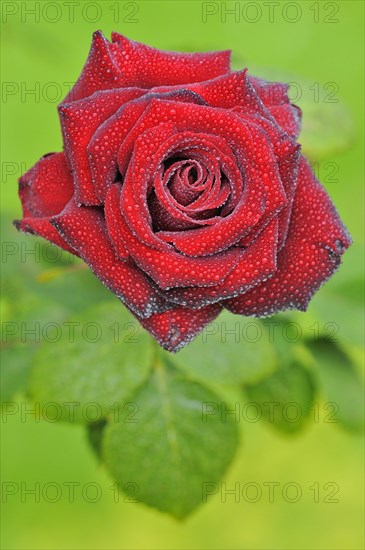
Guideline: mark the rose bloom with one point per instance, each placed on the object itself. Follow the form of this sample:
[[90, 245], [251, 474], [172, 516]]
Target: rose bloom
[[183, 188]]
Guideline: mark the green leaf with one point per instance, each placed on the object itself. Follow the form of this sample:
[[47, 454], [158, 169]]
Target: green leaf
[[96, 367], [173, 451], [342, 383], [231, 350], [285, 398]]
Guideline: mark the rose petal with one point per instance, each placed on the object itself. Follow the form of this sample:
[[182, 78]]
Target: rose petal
[[101, 70], [175, 328], [257, 264], [275, 97], [288, 117], [167, 268], [79, 120], [44, 191], [270, 93], [287, 153], [230, 91], [46, 187], [103, 147], [144, 122], [42, 228], [312, 253], [147, 67], [84, 229]]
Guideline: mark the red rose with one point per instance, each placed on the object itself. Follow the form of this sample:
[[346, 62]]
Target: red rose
[[183, 188]]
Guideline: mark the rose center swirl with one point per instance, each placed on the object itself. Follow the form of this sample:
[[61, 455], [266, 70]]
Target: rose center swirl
[[190, 189]]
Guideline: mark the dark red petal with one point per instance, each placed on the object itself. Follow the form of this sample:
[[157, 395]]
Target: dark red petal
[[103, 147], [85, 230], [257, 264], [79, 120], [288, 117], [270, 93], [167, 268], [287, 153], [42, 228], [147, 67], [230, 91], [275, 97], [44, 191], [133, 200], [47, 187], [312, 253], [101, 70], [201, 147], [175, 328]]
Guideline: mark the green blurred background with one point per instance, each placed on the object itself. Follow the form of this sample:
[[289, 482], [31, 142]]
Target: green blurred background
[[46, 52]]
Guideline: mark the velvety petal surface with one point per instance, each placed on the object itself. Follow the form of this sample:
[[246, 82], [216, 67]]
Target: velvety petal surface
[[175, 328], [274, 96], [145, 66], [44, 191], [167, 267], [80, 120], [257, 264], [101, 70], [103, 147], [312, 253]]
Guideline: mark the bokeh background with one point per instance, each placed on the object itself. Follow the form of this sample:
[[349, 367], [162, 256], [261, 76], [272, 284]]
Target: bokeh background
[[317, 46]]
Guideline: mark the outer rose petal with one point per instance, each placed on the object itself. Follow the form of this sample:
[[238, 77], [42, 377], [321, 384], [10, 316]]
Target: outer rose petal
[[42, 228], [312, 253], [100, 72], [79, 120], [44, 191], [274, 96], [226, 91], [288, 117], [147, 67], [84, 229], [238, 89], [175, 328], [287, 152]]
